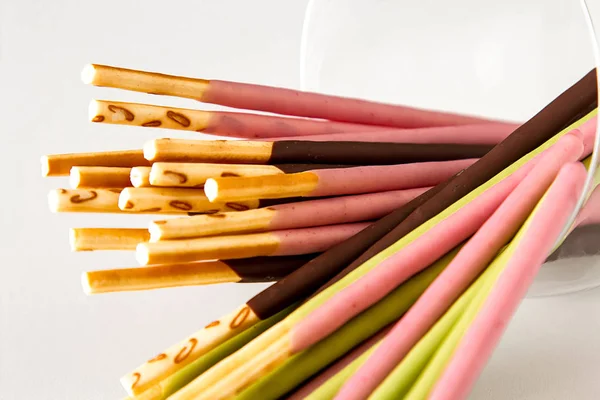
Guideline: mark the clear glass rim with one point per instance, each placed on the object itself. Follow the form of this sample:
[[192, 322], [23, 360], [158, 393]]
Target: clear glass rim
[[589, 183]]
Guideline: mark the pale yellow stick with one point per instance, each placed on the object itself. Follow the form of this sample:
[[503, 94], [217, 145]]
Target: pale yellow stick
[[89, 239], [156, 277], [210, 248], [208, 151], [211, 225], [140, 81], [188, 350], [100, 177], [140, 176], [146, 115], [196, 174], [84, 200], [244, 375], [253, 187], [61, 164], [176, 200], [244, 356]]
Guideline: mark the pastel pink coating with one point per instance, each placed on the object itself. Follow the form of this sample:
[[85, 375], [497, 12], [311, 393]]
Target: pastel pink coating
[[257, 126], [490, 133], [383, 178], [315, 105], [340, 364], [394, 270], [481, 338], [463, 269], [314, 240], [339, 210]]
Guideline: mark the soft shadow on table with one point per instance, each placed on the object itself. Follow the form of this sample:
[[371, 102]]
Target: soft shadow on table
[[549, 351]]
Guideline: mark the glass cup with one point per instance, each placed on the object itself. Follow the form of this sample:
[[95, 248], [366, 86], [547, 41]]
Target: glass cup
[[498, 59]]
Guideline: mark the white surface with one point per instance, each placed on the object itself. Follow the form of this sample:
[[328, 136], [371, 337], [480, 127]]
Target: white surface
[[56, 343]]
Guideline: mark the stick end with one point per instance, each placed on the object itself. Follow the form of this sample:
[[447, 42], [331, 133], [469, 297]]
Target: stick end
[[86, 283], [54, 200], [75, 177], [142, 254], [45, 162], [88, 74], [155, 231], [124, 203], [211, 189], [150, 150]]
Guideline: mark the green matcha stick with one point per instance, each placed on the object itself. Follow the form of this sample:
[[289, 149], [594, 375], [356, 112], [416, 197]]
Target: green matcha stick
[[187, 374], [305, 364]]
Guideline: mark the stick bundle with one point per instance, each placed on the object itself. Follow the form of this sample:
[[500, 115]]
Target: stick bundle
[[384, 228]]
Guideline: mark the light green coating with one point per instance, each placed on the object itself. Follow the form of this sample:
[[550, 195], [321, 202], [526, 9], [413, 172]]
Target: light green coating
[[329, 389], [400, 380], [187, 374], [305, 364]]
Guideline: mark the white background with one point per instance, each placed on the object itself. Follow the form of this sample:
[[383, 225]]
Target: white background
[[56, 343]]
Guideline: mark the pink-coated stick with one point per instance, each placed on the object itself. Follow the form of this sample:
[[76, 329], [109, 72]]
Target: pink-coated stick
[[490, 133], [256, 126], [314, 105], [463, 269], [340, 364], [481, 338], [383, 178], [394, 270], [338, 210], [314, 240]]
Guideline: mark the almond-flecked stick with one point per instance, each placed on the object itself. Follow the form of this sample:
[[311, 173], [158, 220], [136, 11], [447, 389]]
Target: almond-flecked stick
[[61, 164], [228, 124], [466, 266], [258, 269], [276, 243], [99, 177], [176, 200], [306, 152], [172, 174], [334, 182], [540, 235], [84, 200], [271, 99], [90, 239], [489, 133], [321, 212], [140, 176]]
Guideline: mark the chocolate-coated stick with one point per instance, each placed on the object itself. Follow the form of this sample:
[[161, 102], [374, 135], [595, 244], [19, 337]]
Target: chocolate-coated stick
[[307, 152], [248, 270]]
